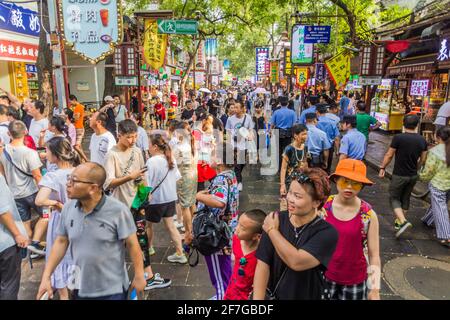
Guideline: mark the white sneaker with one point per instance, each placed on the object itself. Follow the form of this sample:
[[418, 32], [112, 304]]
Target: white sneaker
[[240, 186], [177, 259], [179, 225]]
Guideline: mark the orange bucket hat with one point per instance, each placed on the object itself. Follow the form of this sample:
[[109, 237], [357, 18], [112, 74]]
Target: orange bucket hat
[[352, 169]]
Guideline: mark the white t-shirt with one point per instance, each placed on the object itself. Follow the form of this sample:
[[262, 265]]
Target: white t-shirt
[[100, 145], [121, 113], [57, 181], [27, 160], [234, 124], [36, 127], [4, 137], [142, 141], [157, 169], [443, 114]]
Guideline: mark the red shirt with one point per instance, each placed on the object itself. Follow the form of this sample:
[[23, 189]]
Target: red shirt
[[348, 266], [241, 286], [159, 109]]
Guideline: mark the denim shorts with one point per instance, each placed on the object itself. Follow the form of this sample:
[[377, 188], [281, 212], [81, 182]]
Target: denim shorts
[[24, 205]]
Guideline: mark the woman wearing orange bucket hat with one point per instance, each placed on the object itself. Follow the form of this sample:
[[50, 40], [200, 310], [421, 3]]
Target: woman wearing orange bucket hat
[[358, 242]]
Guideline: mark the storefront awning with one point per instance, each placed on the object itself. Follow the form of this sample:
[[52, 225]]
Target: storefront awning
[[413, 65]]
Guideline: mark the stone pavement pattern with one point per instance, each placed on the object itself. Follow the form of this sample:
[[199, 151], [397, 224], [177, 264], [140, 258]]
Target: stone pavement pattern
[[414, 267]]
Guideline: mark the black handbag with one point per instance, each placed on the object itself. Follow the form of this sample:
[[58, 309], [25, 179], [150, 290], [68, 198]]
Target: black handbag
[[211, 232]]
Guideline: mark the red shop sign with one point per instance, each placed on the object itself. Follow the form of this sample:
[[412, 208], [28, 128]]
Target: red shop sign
[[18, 51]]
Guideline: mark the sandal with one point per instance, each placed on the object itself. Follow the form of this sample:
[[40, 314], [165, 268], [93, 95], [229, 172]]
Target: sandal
[[445, 243]]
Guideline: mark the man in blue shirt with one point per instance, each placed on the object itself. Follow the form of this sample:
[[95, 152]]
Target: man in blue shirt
[[344, 103], [330, 127], [311, 101], [353, 144], [317, 143], [283, 119]]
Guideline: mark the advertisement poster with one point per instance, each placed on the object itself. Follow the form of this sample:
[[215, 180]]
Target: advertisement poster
[[302, 53], [155, 45], [211, 48], [419, 88], [262, 61], [338, 68], [93, 29]]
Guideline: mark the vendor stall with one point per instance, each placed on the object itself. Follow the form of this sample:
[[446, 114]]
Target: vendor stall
[[387, 106]]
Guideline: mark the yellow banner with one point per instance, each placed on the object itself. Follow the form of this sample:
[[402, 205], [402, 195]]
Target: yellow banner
[[274, 71], [302, 74], [339, 68], [155, 45]]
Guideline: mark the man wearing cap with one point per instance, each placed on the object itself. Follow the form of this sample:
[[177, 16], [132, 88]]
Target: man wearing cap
[[311, 102], [108, 108], [283, 119], [330, 127], [353, 144], [318, 144]]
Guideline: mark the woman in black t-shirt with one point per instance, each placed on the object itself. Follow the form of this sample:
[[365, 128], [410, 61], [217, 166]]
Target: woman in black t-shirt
[[297, 244]]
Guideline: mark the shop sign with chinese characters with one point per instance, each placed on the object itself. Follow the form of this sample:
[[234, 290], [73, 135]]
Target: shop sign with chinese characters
[[419, 88], [18, 51], [262, 61], [92, 27], [274, 71], [17, 19], [338, 68], [444, 52], [302, 53], [302, 75], [155, 45]]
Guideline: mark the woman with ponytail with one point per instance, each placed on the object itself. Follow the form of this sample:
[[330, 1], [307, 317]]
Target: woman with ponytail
[[57, 128], [437, 171], [53, 195], [162, 176]]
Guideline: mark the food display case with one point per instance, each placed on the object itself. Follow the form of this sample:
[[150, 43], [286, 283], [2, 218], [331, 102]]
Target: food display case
[[388, 106]]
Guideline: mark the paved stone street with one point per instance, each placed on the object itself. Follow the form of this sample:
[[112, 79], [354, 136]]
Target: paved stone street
[[414, 267]]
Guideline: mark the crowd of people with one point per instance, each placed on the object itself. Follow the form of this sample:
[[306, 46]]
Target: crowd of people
[[173, 162]]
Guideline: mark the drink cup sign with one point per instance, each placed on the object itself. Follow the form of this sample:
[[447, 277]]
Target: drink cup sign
[[91, 28]]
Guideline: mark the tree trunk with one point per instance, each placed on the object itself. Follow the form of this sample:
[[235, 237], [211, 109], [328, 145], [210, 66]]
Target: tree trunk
[[351, 20], [44, 63], [185, 77], [110, 85]]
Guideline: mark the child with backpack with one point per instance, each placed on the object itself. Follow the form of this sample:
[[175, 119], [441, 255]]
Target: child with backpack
[[219, 201], [358, 243], [245, 242]]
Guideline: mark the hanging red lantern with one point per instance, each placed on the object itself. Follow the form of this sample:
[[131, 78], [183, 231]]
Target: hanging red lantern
[[396, 46]]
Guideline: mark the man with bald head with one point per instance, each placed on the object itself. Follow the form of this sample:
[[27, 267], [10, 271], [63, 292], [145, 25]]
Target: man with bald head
[[97, 228]]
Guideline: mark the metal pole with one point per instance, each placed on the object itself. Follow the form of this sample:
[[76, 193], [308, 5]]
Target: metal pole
[[96, 84], [195, 56], [58, 73]]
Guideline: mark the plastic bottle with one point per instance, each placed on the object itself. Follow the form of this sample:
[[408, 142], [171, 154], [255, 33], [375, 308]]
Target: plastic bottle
[[133, 295]]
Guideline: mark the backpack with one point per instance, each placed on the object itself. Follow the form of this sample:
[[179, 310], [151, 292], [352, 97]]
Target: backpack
[[211, 233]]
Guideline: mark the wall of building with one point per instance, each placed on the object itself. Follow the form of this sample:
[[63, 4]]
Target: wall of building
[[5, 82], [82, 79]]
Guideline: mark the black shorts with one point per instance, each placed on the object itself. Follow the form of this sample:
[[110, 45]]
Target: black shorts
[[155, 212]]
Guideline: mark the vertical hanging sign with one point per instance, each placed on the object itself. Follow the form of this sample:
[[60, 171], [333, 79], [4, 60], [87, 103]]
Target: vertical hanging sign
[[262, 61], [274, 72], [302, 75], [155, 45], [91, 28], [302, 53]]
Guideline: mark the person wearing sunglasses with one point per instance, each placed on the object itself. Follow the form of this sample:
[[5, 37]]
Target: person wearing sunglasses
[[97, 229], [358, 229], [296, 245], [245, 242]]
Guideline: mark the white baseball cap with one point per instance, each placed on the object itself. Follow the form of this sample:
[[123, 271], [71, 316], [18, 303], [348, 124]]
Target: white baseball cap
[[108, 98]]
